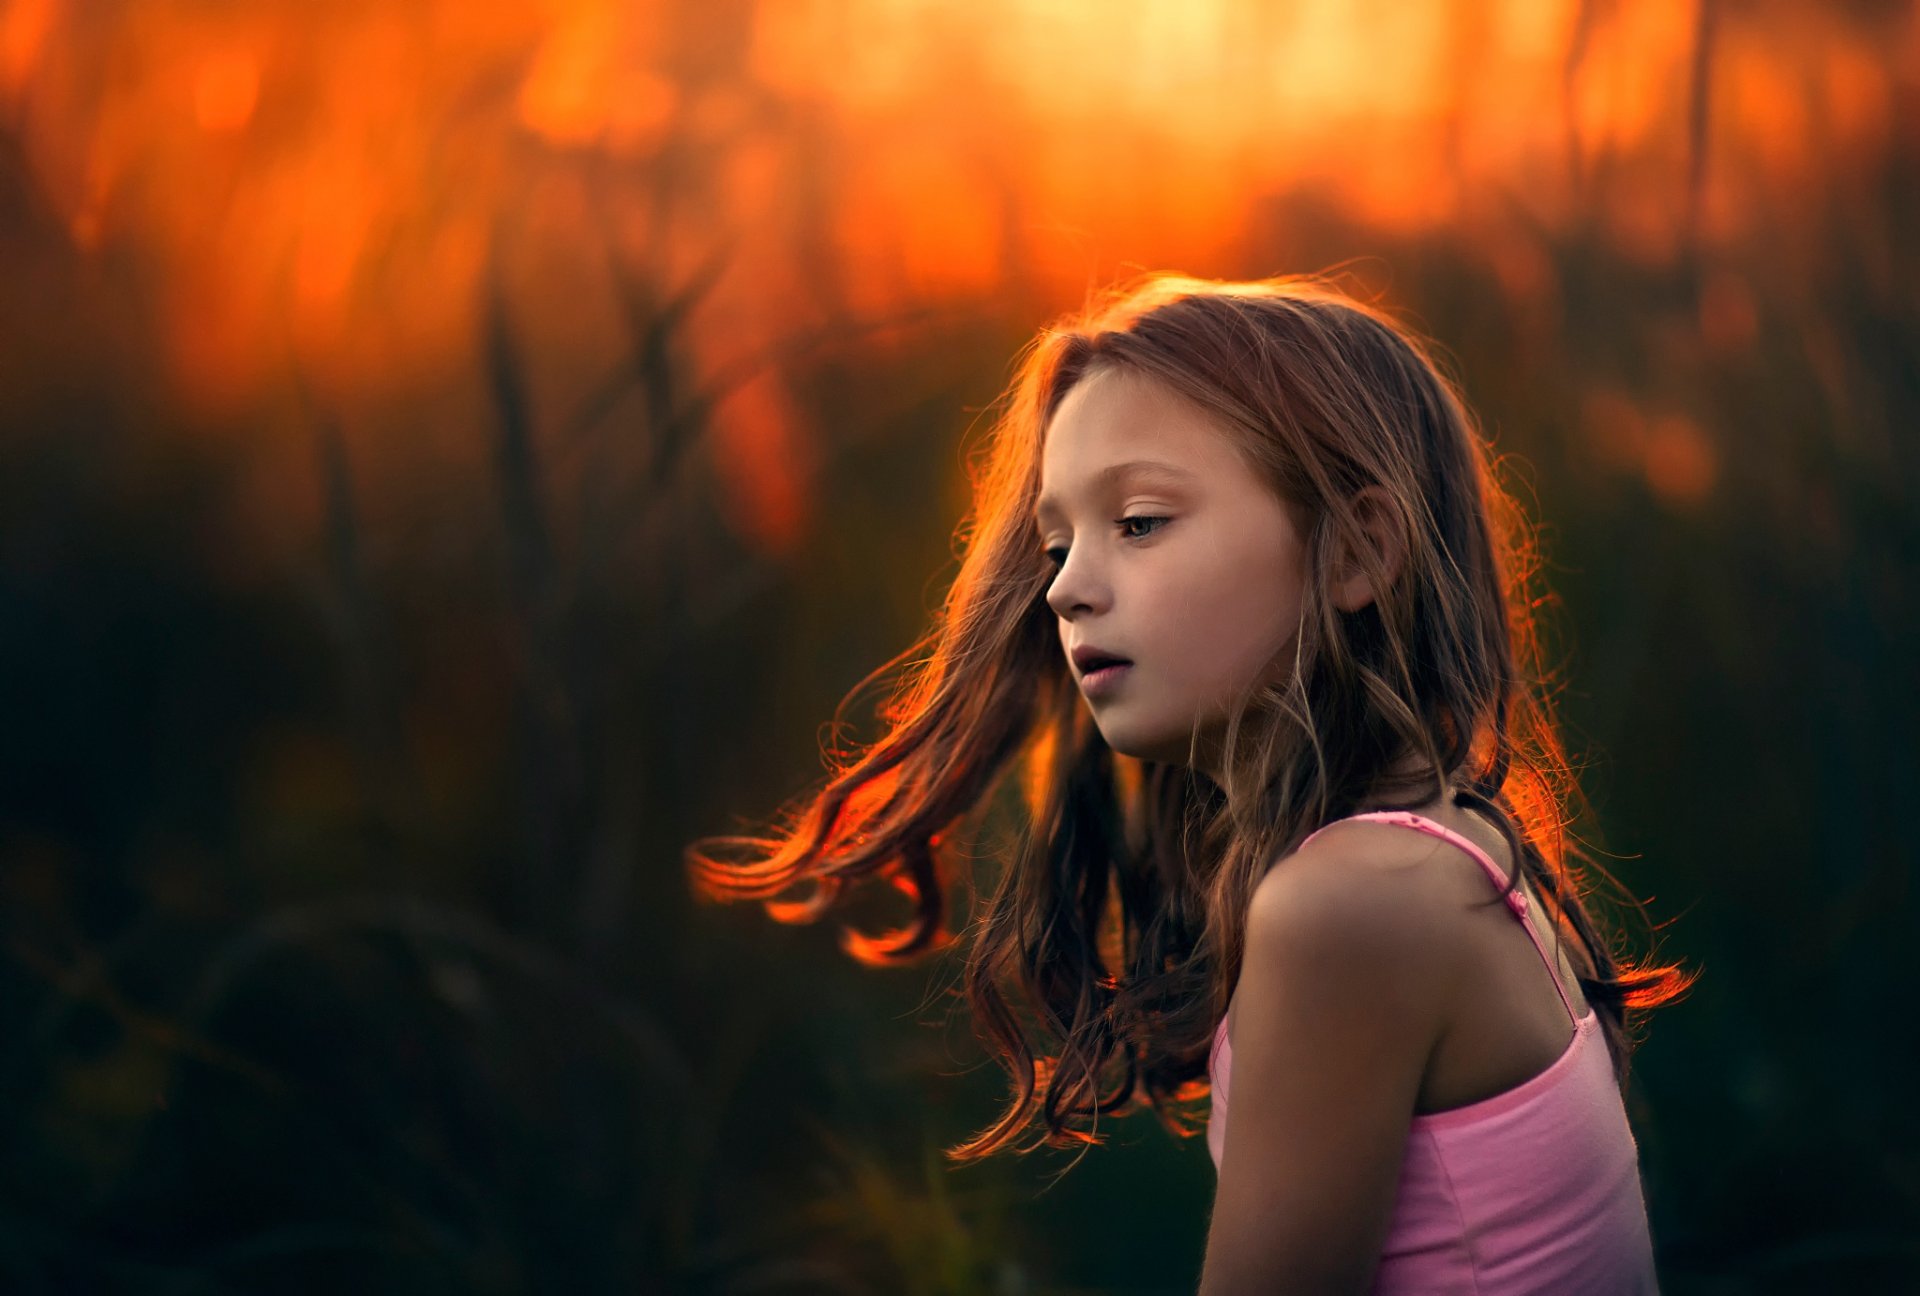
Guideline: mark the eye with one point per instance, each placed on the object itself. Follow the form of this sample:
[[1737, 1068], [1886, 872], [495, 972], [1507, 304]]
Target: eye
[[1140, 517], [1058, 556]]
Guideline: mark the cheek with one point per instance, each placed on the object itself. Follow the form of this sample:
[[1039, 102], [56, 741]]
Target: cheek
[[1232, 620]]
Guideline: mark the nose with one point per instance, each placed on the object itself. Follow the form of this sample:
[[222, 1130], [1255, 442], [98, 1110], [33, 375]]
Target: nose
[[1075, 588]]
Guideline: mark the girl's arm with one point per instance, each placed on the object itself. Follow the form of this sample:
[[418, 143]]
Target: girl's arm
[[1338, 1006]]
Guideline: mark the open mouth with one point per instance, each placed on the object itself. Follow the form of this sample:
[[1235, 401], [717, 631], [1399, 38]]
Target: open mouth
[[1102, 675]]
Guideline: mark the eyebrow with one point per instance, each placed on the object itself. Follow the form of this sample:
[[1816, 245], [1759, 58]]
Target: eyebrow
[[1114, 472]]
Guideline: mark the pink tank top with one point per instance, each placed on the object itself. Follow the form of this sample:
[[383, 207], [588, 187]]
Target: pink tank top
[[1536, 1189]]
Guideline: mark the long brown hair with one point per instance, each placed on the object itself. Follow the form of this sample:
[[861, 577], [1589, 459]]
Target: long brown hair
[[1107, 951]]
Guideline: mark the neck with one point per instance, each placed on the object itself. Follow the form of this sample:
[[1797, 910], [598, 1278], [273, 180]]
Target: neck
[[1410, 776]]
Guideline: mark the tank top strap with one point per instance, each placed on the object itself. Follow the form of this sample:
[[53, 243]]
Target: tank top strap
[[1516, 899]]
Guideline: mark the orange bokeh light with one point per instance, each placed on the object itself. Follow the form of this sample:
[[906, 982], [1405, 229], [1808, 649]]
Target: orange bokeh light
[[323, 189], [225, 90]]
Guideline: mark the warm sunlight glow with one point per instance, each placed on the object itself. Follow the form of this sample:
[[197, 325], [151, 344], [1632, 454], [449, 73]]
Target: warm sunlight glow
[[320, 192], [226, 90]]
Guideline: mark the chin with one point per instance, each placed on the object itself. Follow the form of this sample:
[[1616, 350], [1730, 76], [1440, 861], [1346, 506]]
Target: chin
[[1164, 749]]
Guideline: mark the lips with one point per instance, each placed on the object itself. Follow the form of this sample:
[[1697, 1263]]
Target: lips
[[1090, 657]]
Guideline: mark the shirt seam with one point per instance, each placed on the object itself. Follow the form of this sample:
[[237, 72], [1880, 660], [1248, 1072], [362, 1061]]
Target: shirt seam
[[1453, 1195]]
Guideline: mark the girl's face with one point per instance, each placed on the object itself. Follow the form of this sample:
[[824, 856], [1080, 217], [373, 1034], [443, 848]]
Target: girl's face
[[1172, 554]]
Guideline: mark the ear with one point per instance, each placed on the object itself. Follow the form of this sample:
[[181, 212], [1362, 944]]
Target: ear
[[1383, 532]]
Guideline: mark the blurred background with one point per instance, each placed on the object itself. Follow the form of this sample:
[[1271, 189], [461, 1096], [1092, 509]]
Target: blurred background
[[453, 455]]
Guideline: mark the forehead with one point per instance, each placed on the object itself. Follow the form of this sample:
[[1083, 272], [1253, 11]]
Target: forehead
[[1115, 427]]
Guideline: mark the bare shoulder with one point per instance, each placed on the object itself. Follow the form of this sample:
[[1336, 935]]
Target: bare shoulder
[[1370, 891], [1336, 1013]]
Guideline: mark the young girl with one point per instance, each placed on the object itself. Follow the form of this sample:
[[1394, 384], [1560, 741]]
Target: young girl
[[1242, 600]]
